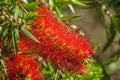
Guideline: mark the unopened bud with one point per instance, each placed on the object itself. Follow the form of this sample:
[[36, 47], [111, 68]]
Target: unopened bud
[[104, 7], [2, 17], [39, 58], [10, 19], [19, 21], [23, 21], [81, 33], [74, 27], [108, 12], [23, 27], [4, 13], [7, 16]]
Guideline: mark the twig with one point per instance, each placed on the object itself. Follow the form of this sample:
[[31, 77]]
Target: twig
[[105, 9], [23, 9], [106, 77]]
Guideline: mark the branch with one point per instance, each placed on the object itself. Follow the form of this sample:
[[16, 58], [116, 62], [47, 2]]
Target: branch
[[106, 77], [104, 7], [23, 9]]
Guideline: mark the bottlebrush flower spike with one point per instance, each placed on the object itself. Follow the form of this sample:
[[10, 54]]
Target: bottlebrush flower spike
[[20, 67], [58, 43]]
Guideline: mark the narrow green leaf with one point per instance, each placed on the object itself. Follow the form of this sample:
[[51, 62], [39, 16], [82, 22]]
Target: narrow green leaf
[[2, 30], [14, 41], [110, 40], [31, 6], [116, 53], [5, 32], [49, 69], [58, 12], [72, 2], [71, 8], [112, 35], [4, 4], [17, 33], [109, 61], [51, 3], [32, 16], [116, 23], [30, 35], [78, 3], [69, 17], [16, 11], [69, 76]]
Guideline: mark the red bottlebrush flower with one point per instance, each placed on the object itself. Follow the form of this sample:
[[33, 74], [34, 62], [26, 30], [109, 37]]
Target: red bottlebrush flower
[[20, 67], [58, 43]]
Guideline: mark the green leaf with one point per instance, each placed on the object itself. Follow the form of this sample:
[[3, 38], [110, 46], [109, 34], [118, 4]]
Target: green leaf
[[51, 3], [116, 53], [71, 8], [94, 73], [2, 74], [31, 6], [72, 2], [5, 32], [112, 35], [58, 12], [69, 17], [109, 61], [17, 33], [49, 69], [68, 76], [16, 11], [78, 3], [4, 4], [116, 23], [30, 35], [110, 40], [14, 41], [32, 16], [2, 30]]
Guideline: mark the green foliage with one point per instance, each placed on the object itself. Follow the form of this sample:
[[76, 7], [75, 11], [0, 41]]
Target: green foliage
[[31, 6], [32, 15], [58, 4], [2, 75], [49, 71], [93, 73]]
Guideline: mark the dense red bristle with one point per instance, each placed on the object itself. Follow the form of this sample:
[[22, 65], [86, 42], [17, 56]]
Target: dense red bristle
[[23, 66], [58, 43]]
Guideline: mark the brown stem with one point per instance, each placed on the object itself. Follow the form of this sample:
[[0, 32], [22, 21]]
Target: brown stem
[[23, 9], [106, 76]]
